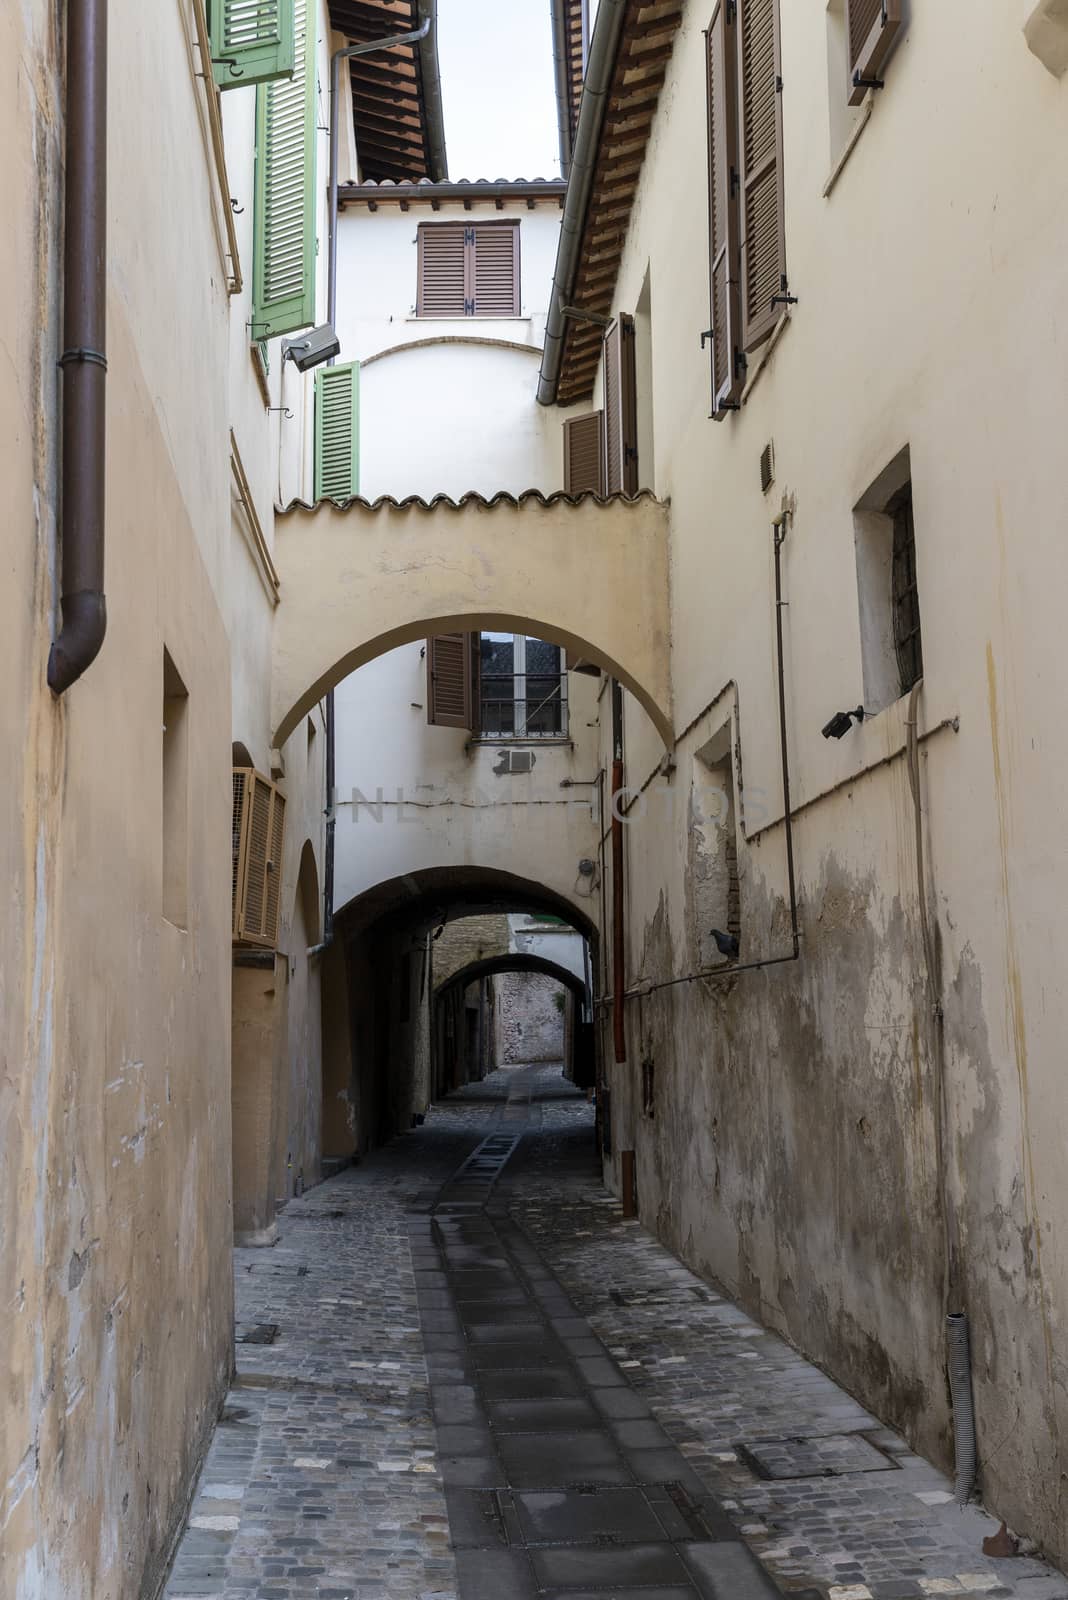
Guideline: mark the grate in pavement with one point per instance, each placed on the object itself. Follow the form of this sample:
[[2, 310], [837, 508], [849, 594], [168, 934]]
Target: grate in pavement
[[831, 1455]]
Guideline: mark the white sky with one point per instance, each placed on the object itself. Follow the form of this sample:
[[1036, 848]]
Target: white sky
[[496, 59]]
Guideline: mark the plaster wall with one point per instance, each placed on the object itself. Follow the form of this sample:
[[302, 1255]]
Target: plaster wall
[[115, 1020], [793, 1154]]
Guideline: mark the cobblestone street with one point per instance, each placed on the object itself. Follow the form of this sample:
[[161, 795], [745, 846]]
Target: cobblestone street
[[462, 1376]]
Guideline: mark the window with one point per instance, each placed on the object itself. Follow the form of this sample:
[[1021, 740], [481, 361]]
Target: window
[[747, 234], [713, 849], [257, 841], [872, 27], [252, 41], [584, 454], [283, 264], [887, 587], [175, 795], [468, 270], [620, 409], [337, 471], [522, 687]]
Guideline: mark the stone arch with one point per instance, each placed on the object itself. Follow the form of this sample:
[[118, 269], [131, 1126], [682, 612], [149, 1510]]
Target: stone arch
[[360, 580], [239, 755], [514, 961], [433, 892]]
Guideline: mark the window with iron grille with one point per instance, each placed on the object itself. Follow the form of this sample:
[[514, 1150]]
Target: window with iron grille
[[888, 587], [905, 595], [523, 687]]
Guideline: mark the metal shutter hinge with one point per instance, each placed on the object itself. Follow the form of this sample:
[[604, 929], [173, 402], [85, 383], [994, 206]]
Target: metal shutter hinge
[[867, 83], [784, 297], [469, 308], [709, 333]]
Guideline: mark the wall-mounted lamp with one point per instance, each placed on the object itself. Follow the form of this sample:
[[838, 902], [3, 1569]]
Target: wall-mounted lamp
[[321, 344], [841, 723]]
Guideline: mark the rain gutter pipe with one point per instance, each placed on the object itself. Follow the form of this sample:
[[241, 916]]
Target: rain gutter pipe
[[729, 969], [563, 87], [84, 361], [346, 54], [600, 66], [619, 951], [432, 94]]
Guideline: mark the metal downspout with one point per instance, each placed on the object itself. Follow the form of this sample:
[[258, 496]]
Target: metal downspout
[[84, 361], [336, 59], [599, 68], [779, 534], [563, 88], [429, 89], [619, 948]]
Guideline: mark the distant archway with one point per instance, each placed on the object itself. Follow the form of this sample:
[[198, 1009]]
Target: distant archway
[[514, 961]]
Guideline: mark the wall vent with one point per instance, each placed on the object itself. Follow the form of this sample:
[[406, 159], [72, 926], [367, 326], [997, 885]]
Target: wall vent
[[767, 466], [258, 836]]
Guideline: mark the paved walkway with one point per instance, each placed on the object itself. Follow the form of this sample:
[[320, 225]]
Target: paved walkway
[[462, 1376]]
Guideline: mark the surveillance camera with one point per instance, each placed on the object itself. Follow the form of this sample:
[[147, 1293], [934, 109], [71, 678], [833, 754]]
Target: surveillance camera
[[319, 345], [841, 723]]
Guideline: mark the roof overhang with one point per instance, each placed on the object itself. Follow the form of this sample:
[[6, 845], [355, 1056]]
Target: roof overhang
[[628, 59], [498, 192], [396, 97]]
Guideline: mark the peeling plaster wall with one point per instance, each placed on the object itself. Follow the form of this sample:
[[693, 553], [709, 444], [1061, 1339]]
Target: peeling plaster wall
[[793, 1154], [115, 1024]]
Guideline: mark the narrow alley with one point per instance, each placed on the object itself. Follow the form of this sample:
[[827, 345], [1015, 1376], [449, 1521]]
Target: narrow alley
[[462, 1375]]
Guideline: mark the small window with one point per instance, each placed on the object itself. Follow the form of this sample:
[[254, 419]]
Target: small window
[[713, 852], [175, 795], [468, 270], [522, 687], [888, 588]]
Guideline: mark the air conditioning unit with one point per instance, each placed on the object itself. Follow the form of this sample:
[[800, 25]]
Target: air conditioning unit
[[258, 838]]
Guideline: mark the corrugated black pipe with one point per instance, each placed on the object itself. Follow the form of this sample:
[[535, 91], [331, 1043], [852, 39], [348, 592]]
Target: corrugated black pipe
[[959, 1360], [83, 361], [331, 821], [619, 946]]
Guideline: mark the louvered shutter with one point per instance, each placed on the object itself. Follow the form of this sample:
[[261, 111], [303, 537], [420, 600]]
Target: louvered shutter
[[584, 454], [337, 472], [728, 361], [450, 680], [442, 288], [283, 276], [493, 269], [258, 841], [763, 224], [252, 41], [620, 409], [873, 27]]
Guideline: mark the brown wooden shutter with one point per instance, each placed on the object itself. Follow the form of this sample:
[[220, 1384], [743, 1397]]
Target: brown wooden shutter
[[493, 269], [620, 409], [728, 360], [584, 454], [873, 27], [763, 222], [258, 840], [442, 289], [450, 680]]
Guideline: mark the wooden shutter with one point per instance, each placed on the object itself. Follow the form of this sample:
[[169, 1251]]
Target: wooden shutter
[[493, 269], [763, 222], [252, 41], [620, 409], [728, 360], [873, 27], [283, 274], [584, 454], [258, 840], [468, 270], [450, 678], [442, 289], [337, 472]]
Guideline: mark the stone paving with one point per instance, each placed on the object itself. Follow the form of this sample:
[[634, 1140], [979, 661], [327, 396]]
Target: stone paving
[[604, 1419]]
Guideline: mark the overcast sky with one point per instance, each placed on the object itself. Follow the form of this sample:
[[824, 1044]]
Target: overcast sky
[[496, 61]]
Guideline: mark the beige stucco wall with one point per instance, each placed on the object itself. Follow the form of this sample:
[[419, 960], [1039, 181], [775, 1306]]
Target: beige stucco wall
[[115, 1024], [793, 1153]]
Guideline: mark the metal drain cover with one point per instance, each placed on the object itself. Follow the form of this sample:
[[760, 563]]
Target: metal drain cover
[[832, 1455]]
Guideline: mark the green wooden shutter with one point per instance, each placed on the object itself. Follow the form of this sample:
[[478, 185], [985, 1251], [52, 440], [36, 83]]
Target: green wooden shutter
[[252, 41], [283, 268], [337, 469]]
